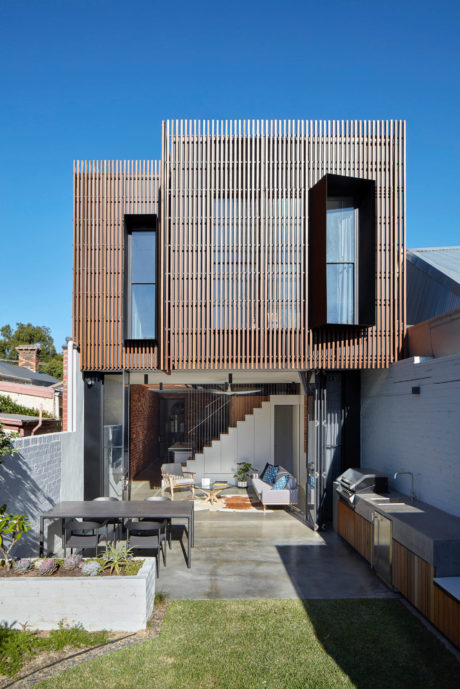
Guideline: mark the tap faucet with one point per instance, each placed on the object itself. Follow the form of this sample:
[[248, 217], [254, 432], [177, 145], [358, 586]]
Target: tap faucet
[[407, 473]]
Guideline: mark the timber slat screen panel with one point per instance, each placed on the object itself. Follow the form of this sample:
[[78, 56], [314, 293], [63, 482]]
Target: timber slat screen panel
[[233, 246], [235, 223], [104, 191]]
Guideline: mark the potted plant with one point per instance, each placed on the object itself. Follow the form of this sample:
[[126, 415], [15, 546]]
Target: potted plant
[[242, 473]]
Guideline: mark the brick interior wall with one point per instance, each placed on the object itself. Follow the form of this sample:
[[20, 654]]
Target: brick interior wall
[[143, 429]]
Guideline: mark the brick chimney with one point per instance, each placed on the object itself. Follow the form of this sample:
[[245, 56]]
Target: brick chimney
[[28, 356]]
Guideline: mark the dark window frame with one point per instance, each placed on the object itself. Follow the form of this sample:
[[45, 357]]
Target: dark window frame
[[363, 193], [137, 223]]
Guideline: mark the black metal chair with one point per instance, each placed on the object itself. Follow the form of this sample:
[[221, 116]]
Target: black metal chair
[[117, 523], [162, 498], [148, 535], [81, 534]]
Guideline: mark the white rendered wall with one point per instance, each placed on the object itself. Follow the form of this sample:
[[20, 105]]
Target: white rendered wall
[[33, 401], [401, 431], [118, 603], [72, 457], [251, 440]]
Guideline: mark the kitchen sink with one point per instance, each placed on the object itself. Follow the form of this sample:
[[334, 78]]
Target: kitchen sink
[[388, 501]]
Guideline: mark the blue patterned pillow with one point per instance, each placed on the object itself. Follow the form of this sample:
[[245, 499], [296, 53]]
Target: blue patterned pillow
[[281, 483], [270, 474]]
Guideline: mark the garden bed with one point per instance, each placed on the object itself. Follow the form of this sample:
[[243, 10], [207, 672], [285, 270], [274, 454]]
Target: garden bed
[[131, 569], [113, 603]]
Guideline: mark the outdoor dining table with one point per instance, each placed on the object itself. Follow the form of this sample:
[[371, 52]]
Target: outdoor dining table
[[123, 509]]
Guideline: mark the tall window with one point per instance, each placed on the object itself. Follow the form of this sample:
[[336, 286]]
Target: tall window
[[341, 260], [141, 283], [342, 251]]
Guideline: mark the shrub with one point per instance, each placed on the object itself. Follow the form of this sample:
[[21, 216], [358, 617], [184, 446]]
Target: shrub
[[7, 406], [12, 527]]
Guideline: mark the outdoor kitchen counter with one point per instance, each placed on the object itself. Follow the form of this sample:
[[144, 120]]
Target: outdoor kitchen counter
[[428, 532]]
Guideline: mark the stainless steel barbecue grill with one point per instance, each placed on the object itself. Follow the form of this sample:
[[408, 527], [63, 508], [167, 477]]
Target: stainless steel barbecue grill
[[362, 480]]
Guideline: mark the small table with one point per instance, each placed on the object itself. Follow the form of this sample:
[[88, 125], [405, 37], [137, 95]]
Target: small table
[[212, 492]]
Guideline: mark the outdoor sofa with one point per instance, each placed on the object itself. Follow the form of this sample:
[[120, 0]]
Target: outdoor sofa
[[269, 493]]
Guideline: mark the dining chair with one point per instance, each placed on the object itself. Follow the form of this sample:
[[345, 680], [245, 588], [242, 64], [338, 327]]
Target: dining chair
[[162, 498], [149, 536], [81, 534], [116, 523]]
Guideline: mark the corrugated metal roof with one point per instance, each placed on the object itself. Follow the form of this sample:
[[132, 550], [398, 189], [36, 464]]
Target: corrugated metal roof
[[18, 417], [433, 282], [25, 375], [445, 258]]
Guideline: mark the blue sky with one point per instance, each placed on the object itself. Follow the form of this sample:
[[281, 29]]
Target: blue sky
[[93, 79]]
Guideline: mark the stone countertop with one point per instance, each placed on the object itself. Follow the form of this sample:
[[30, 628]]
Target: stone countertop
[[451, 585], [429, 532]]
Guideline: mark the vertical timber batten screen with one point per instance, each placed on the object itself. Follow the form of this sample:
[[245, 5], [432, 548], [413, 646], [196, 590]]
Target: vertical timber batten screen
[[104, 192], [235, 228], [233, 246]]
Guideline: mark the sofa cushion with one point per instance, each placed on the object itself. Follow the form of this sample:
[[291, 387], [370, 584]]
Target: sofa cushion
[[262, 473], [281, 482], [291, 483], [270, 473]]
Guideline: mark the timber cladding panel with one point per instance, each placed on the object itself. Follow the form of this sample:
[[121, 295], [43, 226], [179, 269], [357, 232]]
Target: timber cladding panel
[[104, 192], [232, 200]]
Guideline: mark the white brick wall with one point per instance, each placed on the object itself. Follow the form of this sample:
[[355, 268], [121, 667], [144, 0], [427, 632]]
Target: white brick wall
[[419, 433], [30, 482]]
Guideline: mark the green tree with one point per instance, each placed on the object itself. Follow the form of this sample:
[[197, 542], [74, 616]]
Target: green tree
[[26, 333], [54, 367]]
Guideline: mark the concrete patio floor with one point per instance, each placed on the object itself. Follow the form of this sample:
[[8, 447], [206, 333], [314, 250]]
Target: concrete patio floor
[[254, 556]]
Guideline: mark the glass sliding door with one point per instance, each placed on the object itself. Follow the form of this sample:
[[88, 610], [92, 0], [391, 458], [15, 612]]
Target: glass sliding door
[[114, 469]]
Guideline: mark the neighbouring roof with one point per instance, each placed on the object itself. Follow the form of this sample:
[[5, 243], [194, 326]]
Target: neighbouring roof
[[20, 374], [18, 417], [433, 282]]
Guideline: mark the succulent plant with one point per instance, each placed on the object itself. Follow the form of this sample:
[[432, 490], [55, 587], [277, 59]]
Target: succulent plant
[[23, 565], [90, 569], [116, 556], [72, 562], [47, 567]]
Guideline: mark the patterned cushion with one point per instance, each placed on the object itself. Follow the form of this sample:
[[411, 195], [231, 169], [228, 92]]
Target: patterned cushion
[[262, 473], [291, 482], [281, 482], [269, 474]]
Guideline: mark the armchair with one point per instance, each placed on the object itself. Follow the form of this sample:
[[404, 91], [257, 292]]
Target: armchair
[[174, 476]]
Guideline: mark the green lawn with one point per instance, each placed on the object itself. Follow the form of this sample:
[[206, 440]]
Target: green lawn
[[367, 644]]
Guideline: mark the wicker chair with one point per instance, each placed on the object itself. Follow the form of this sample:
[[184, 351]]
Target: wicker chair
[[174, 476]]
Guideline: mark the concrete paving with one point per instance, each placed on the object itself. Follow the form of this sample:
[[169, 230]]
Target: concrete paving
[[255, 556]]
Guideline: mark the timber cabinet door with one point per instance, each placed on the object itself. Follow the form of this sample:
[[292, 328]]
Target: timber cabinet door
[[356, 530]]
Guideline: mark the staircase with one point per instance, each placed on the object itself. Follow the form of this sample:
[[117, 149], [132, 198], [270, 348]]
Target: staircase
[[246, 436]]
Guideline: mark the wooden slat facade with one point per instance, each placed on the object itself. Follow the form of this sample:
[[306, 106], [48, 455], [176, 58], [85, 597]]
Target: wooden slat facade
[[104, 192], [232, 199]]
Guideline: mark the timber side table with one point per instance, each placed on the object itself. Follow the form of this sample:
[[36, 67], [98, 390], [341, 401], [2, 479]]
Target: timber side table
[[213, 492]]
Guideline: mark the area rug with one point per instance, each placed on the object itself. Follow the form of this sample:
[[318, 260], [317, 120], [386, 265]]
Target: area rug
[[231, 503]]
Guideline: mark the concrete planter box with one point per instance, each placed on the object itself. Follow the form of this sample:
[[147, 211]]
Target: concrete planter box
[[114, 603]]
